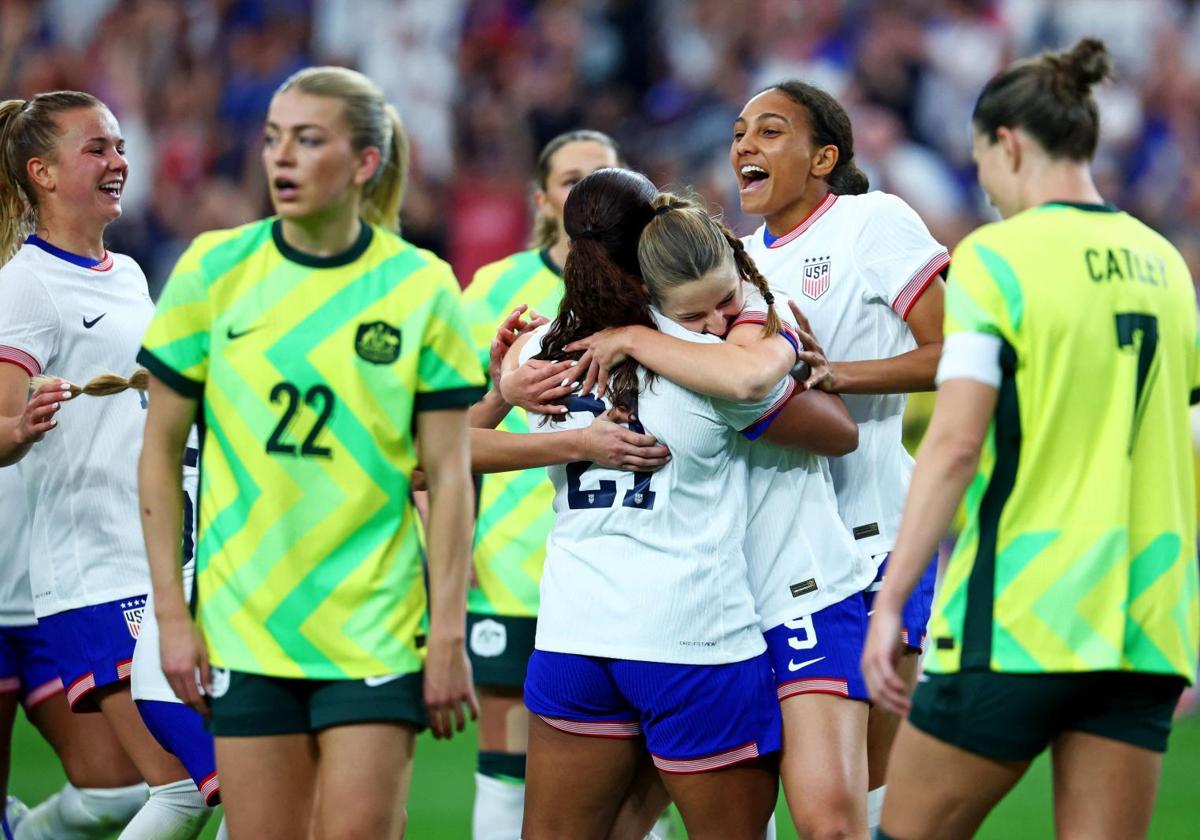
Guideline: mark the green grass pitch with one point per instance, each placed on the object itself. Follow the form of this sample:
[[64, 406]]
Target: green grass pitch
[[443, 787]]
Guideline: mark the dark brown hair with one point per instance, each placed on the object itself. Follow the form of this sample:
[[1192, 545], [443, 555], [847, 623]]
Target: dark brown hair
[[1050, 97], [830, 126], [604, 216], [545, 228], [28, 129]]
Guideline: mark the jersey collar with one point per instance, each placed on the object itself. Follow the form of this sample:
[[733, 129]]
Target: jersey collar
[[365, 233], [549, 263], [102, 264], [1079, 205], [808, 221]]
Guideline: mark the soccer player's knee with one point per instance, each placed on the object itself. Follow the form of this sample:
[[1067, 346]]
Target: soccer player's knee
[[111, 806], [827, 818]]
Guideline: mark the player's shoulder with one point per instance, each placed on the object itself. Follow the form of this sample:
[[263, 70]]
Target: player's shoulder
[[215, 251], [874, 208], [421, 266], [528, 263]]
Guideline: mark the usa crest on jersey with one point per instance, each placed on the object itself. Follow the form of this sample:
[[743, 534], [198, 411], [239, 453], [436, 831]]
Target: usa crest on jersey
[[815, 281], [133, 610]]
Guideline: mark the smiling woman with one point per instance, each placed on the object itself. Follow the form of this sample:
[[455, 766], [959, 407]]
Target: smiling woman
[[70, 307], [331, 355]]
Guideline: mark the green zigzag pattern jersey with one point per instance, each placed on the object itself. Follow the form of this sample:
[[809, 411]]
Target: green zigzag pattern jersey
[[1078, 552], [311, 370], [515, 508]]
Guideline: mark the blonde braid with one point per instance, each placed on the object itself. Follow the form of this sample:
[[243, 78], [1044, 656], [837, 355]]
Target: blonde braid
[[104, 385], [750, 273]]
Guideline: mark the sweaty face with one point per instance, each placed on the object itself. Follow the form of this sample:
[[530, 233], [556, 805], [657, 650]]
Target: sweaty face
[[708, 304], [568, 166], [87, 170], [312, 167], [772, 154]]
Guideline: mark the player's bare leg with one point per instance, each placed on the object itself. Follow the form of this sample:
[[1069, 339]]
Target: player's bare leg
[[1103, 789], [86, 745], [370, 765], [882, 726], [644, 802], [824, 765], [949, 804], [574, 784], [267, 785], [730, 804]]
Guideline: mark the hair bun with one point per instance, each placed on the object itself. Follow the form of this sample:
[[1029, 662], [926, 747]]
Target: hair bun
[[1087, 63]]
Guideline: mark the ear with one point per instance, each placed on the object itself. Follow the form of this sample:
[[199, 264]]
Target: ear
[[539, 200], [824, 160], [1010, 141], [41, 174], [369, 160]]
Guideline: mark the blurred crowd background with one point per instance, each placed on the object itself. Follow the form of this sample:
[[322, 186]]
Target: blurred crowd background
[[482, 84]]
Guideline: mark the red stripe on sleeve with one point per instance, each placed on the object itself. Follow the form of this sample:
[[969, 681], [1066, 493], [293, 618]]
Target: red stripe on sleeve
[[920, 281]]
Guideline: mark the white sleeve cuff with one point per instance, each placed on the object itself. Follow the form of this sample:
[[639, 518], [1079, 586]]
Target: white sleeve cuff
[[970, 356]]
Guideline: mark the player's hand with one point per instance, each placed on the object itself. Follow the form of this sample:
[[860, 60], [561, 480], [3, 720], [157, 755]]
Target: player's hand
[[880, 654], [611, 445], [38, 416], [603, 352], [820, 372], [184, 658], [515, 325], [536, 385], [449, 690]]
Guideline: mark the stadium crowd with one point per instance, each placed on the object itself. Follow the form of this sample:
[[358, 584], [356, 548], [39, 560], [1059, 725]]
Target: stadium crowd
[[483, 84]]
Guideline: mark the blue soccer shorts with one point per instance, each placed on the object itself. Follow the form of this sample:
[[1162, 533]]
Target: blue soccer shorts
[[93, 646], [820, 653], [27, 665], [694, 718]]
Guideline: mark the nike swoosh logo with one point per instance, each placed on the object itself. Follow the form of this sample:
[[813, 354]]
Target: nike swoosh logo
[[233, 336], [87, 325], [373, 682], [796, 666]]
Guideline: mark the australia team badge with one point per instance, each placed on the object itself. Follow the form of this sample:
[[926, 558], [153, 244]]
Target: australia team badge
[[377, 342], [815, 281]]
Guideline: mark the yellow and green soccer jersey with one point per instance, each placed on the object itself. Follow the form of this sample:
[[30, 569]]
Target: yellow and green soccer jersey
[[515, 508], [1079, 551], [311, 371]]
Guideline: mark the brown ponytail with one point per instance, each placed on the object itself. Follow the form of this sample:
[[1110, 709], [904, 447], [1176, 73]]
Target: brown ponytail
[[604, 216], [683, 243], [104, 385]]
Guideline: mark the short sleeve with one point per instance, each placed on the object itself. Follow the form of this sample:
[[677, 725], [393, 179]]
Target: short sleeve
[[176, 345], [1195, 393], [755, 312], [29, 323], [896, 254], [481, 320], [752, 419], [448, 372], [983, 294]]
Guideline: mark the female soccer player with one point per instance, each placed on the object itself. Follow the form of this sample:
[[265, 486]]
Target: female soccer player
[[514, 508], [70, 308], [330, 354], [1068, 616], [864, 269]]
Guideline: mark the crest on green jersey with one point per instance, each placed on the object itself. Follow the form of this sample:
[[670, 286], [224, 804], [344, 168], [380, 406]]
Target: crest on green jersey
[[377, 342]]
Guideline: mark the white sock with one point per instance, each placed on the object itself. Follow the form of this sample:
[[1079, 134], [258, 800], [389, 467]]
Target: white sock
[[875, 807], [174, 811], [769, 834], [222, 831], [82, 813], [499, 808]]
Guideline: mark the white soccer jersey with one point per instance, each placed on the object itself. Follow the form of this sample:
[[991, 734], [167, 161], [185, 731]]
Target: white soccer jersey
[[799, 555], [16, 598], [650, 566], [856, 265], [147, 681], [60, 317]]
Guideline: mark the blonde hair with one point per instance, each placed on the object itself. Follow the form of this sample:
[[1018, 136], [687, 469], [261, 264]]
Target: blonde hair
[[545, 226], [683, 242], [373, 122], [104, 385], [28, 129]]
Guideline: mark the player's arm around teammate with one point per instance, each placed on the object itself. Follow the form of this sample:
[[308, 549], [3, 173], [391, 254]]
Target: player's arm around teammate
[[1115, 306]]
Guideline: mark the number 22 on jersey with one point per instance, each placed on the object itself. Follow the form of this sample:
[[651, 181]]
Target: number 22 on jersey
[[604, 494]]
